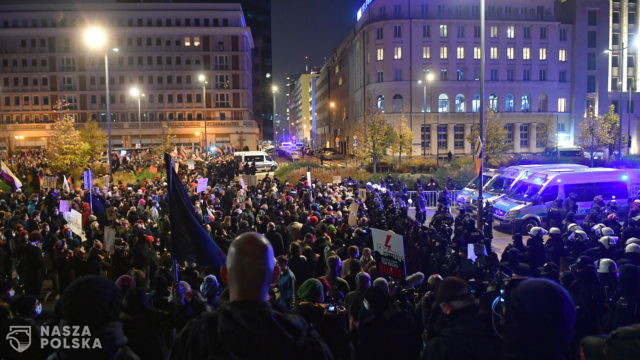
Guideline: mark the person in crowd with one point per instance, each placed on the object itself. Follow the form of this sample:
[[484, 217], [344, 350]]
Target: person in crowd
[[464, 334], [247, 326]]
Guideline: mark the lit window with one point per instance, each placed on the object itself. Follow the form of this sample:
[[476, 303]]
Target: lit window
[[380, 54], [187, 41], [397, 52], [196, 41], [476, 53], [562, 55], [443, 31], [510, 53], [460, 52], [511, 32], [426, 52], [526, 53], [443, 52], [543, 53], [562, 105], [494, 31], [494, 52]]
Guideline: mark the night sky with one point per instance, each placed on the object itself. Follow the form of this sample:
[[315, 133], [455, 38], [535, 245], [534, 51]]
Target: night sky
[[307, 27]]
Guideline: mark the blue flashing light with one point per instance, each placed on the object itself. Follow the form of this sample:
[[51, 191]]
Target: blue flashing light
[[537, 180], [624, 177], [559, 180]]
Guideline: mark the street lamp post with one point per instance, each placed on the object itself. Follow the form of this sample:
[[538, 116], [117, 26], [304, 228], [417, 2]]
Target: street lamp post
[[480, 218], [96, 39], [274, 90], [428, 77], [332, 106], [203, 80], [135, 93]]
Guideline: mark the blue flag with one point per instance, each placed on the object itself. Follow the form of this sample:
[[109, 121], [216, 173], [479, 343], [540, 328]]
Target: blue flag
[[189, 239]]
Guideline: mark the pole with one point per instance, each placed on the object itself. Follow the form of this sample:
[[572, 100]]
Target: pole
[[106, 77], [482, 66], [275, 125], [204, 113], [424, 117], [632, 87], [139, 123], [622, 58]]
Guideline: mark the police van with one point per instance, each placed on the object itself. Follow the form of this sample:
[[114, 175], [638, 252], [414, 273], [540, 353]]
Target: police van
[[526, 204], [498, 182], [263, 161]]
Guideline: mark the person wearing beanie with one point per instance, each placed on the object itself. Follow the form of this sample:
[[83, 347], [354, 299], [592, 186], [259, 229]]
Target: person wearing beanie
[[539, 321], [389, 332]]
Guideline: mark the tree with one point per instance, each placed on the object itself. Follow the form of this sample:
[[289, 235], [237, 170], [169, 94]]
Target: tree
[[373, 139], [594, 133], [167, 142], [67, 150], [610, 123], [401, 140], [95, 138], [495, 137]]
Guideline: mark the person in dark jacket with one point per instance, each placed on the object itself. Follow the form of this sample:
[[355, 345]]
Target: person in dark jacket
[[95, 302], [275, 238], [390, 332], [539, 321], [247, 327], [464, 334]]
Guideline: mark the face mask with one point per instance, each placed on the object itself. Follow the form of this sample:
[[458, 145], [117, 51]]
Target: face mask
[[12, 293], [38, 309]]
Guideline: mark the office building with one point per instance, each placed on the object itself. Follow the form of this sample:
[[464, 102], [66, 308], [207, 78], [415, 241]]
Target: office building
[[163, 48]]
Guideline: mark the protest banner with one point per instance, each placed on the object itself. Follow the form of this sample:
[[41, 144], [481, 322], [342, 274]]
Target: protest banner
[[390, 247], [64, 206], [202, 185], [309, 178], [353, 214], [88, 180], [242, 184], [191, 165], [109, 239], [74, 222], [50, 182]]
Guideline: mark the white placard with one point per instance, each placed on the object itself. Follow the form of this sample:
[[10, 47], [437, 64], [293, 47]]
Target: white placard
[[74, 222], [390, 246], [202, 185]]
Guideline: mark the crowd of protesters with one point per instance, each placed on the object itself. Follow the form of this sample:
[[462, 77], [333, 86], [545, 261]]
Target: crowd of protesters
[[302, 281]]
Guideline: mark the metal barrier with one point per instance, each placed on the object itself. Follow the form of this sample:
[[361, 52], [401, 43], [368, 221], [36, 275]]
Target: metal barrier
[[432, 197], [633, 190]]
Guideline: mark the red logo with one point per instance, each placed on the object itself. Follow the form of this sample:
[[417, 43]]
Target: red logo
[[386, 242]]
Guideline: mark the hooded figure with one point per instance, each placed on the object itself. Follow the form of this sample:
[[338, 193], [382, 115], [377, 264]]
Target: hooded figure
[[539, 321]]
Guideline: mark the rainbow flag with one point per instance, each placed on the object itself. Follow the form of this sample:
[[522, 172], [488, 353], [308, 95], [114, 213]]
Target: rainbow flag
[[7, 174]]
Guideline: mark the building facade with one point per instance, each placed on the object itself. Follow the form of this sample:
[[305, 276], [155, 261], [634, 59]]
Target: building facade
[[162, 49], [302, 109], [419, 62]]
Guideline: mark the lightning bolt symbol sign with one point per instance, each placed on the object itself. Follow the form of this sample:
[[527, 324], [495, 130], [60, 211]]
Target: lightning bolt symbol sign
[[386, 242]]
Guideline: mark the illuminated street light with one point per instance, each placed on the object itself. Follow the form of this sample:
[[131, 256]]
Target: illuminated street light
[[96, 38], [202, 78], [135, 93]]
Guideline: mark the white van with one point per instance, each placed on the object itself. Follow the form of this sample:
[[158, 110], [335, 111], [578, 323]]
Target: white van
[[527, 203], [498, 182], [263, 161]]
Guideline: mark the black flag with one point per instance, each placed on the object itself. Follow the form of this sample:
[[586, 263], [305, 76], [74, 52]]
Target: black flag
[[189, 240]]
